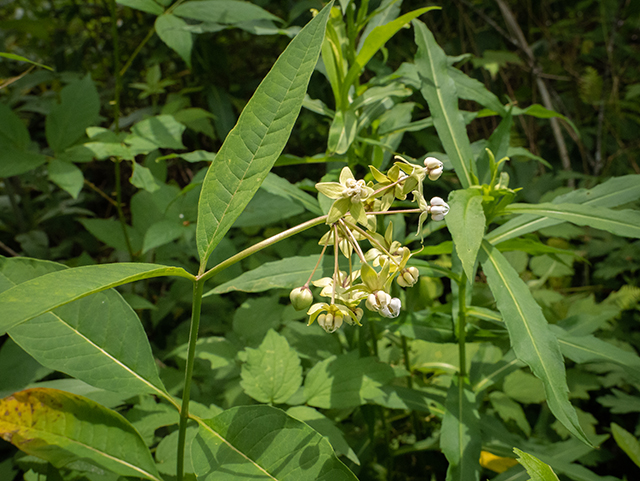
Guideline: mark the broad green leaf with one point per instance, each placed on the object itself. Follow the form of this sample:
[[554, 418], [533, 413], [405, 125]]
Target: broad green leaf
[[13, 132], [285, 273], [439, 90], [62, 428], [376, 40], [16, 162], [66, 176], [98, 339], [266, 209], [346, 381], [538, 470], [272, 373], [18, 368], [253, 319], [110, 232], [624, 223], [460, 436], [42, 294], [20, 58], [195, 156], [171, 31], [399, 397], [161, 131], [531, 338], [223, 11], [148, 6], [326, 427], [67, 121], [254, 144], [277, 185], [263, 443], [627, 442], [471, 89], [217, 351], [162, 233], [612, 193], [142, 178], [466, 223], [510, 410]]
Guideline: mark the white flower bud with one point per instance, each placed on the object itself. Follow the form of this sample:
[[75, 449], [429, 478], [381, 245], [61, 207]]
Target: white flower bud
[[377, 300], [434, 168], [301, 298], [330, 322], [391, 310], [438, 208], [408, 277]]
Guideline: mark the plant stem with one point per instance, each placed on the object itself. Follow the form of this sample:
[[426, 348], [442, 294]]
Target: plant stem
[[317, 263], [193, 338], [123, 221], [11, 193], [259, 246], [137, 51], [462, 331], [116, 65]]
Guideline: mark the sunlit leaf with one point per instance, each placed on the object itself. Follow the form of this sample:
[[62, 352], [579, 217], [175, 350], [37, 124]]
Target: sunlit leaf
[[466, 223]]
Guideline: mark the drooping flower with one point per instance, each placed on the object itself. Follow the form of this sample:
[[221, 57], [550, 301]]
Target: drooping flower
[[408, 277], [349, 195], [434, 168], [331, 317], [384, 304]]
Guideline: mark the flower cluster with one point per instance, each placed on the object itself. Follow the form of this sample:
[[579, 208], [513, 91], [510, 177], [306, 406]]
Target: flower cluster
[[352, 219]]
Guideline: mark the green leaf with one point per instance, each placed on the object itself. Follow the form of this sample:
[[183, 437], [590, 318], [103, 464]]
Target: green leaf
[[63, 428], [627, 442], [67, 121], [66, 176], [466, 223], [110, 232], [254, 144], [285, 273], [272, 373], [13, 132], [223, 11], [266, 209], [531, 338], [612, 193], [342, 132], [38, 296], [376, 40], [277, 185], [148, 6], [624, 223], [342, 382], [263, 443], [498, 144], [161, 131], [538, 470], [20, 58], [98, 339], [162, 233], [510, 410], [171, 31], [439, 90], [471, 89], [18, 368], [537, 110], [460, 440], [142, 178]]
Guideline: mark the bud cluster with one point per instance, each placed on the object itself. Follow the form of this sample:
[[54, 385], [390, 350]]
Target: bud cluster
[[352, 218]]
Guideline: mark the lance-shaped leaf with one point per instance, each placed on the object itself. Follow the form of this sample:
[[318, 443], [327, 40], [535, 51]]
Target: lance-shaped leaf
[[460, 438], [531, 339], [466, 222], [42, 294], [254, 144], [439, 90], [538, 470], [627, 442], [612, 193], [263, 443], [97, 339], [624, 223], [63, 428]]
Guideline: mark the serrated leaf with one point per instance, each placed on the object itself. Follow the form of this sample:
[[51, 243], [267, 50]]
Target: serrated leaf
[[254, 144], [223, 11], [466, 222], [78, 109], [530, 336], [148, 6], [627, 442], [346, 381], [263, 443], [460, 439], [62, 428], [612, 193], [624, 223], [538, 470], [439, 90], [45, 293], [171, 31], [272, 373], [66, 176]]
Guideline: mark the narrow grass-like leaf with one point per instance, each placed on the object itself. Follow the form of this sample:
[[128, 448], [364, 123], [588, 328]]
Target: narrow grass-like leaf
[[263, 443], [439, 90], [62, 428], [627, 442], [624, 223], [466, 223], [20, 58], [254, 144], [42, 294], [460, 436], [538, 470], [531, 338], [612, 193], [97, 339]]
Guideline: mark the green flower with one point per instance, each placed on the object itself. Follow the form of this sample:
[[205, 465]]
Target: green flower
[[349, 195], [331, 317]]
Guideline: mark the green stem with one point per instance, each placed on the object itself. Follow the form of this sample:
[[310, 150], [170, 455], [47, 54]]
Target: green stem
[[137, 51], [116, 65], [123, 221], [193, 338], [462, 331], [259, 246], [11, 193]]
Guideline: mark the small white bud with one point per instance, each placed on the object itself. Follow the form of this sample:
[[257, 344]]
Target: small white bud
[[391, 310], [434, 168], [438, 208], [408, 277]]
